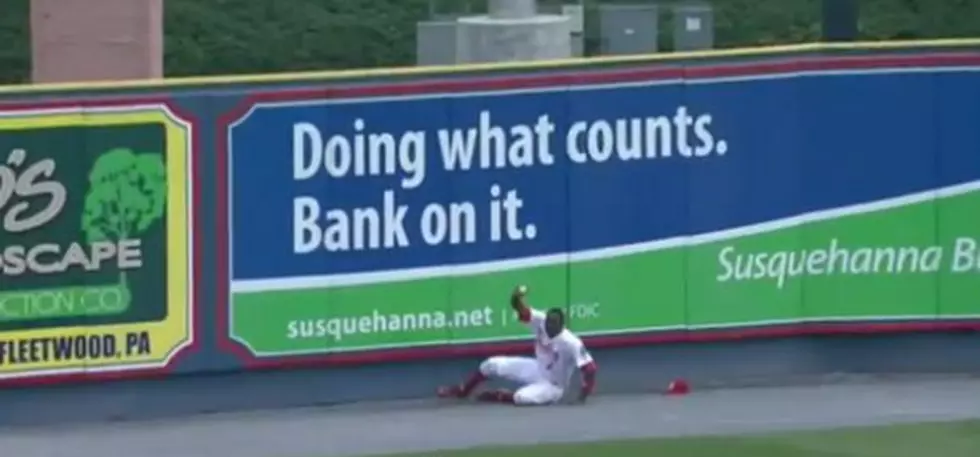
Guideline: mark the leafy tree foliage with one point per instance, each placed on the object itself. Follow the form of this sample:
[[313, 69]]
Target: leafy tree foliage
[[205, 37], [15, 47]]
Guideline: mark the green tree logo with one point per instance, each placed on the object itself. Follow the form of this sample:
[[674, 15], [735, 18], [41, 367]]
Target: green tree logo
[[127, 193]]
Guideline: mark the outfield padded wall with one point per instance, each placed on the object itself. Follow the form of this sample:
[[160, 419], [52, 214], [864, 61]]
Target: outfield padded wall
[[821, 189]]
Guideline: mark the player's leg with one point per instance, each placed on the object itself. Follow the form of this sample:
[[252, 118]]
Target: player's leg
[[539, 393], [522, 370], [464, 389]]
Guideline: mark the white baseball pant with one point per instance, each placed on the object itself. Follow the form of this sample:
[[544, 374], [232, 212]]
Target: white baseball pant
[[535, 388]]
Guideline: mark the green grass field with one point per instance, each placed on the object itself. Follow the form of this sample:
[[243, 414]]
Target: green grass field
[[943, 439]]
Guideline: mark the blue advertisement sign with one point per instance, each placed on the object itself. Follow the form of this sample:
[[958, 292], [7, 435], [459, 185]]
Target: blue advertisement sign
[[337, 186]]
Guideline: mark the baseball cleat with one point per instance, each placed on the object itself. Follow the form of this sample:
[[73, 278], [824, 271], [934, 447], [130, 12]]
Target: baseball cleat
[[451, 392], [496, 396]]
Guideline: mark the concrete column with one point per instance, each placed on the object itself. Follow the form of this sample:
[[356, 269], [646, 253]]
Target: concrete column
[[513, 31], [512, 9], [90, 40]]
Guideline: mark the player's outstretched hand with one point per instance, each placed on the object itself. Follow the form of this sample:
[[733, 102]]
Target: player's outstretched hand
[[517, 296]]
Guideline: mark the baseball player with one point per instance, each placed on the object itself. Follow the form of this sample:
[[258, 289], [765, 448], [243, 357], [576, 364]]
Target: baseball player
[[543, 379]]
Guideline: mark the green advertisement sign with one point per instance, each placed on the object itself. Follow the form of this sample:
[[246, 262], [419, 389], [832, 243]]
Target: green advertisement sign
[[94, 257], [833, 266]]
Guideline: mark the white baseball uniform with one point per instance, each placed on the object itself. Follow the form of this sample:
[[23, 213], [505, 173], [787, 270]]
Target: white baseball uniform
[[543, 378]]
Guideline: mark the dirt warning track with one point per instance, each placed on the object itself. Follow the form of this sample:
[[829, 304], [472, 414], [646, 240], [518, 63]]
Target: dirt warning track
[[426, 425]]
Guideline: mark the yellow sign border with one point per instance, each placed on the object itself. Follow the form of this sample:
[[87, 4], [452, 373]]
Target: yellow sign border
[[435, 70], [176, 332]]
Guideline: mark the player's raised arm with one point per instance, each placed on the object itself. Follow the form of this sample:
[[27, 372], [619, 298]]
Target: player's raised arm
[[519, 303]]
